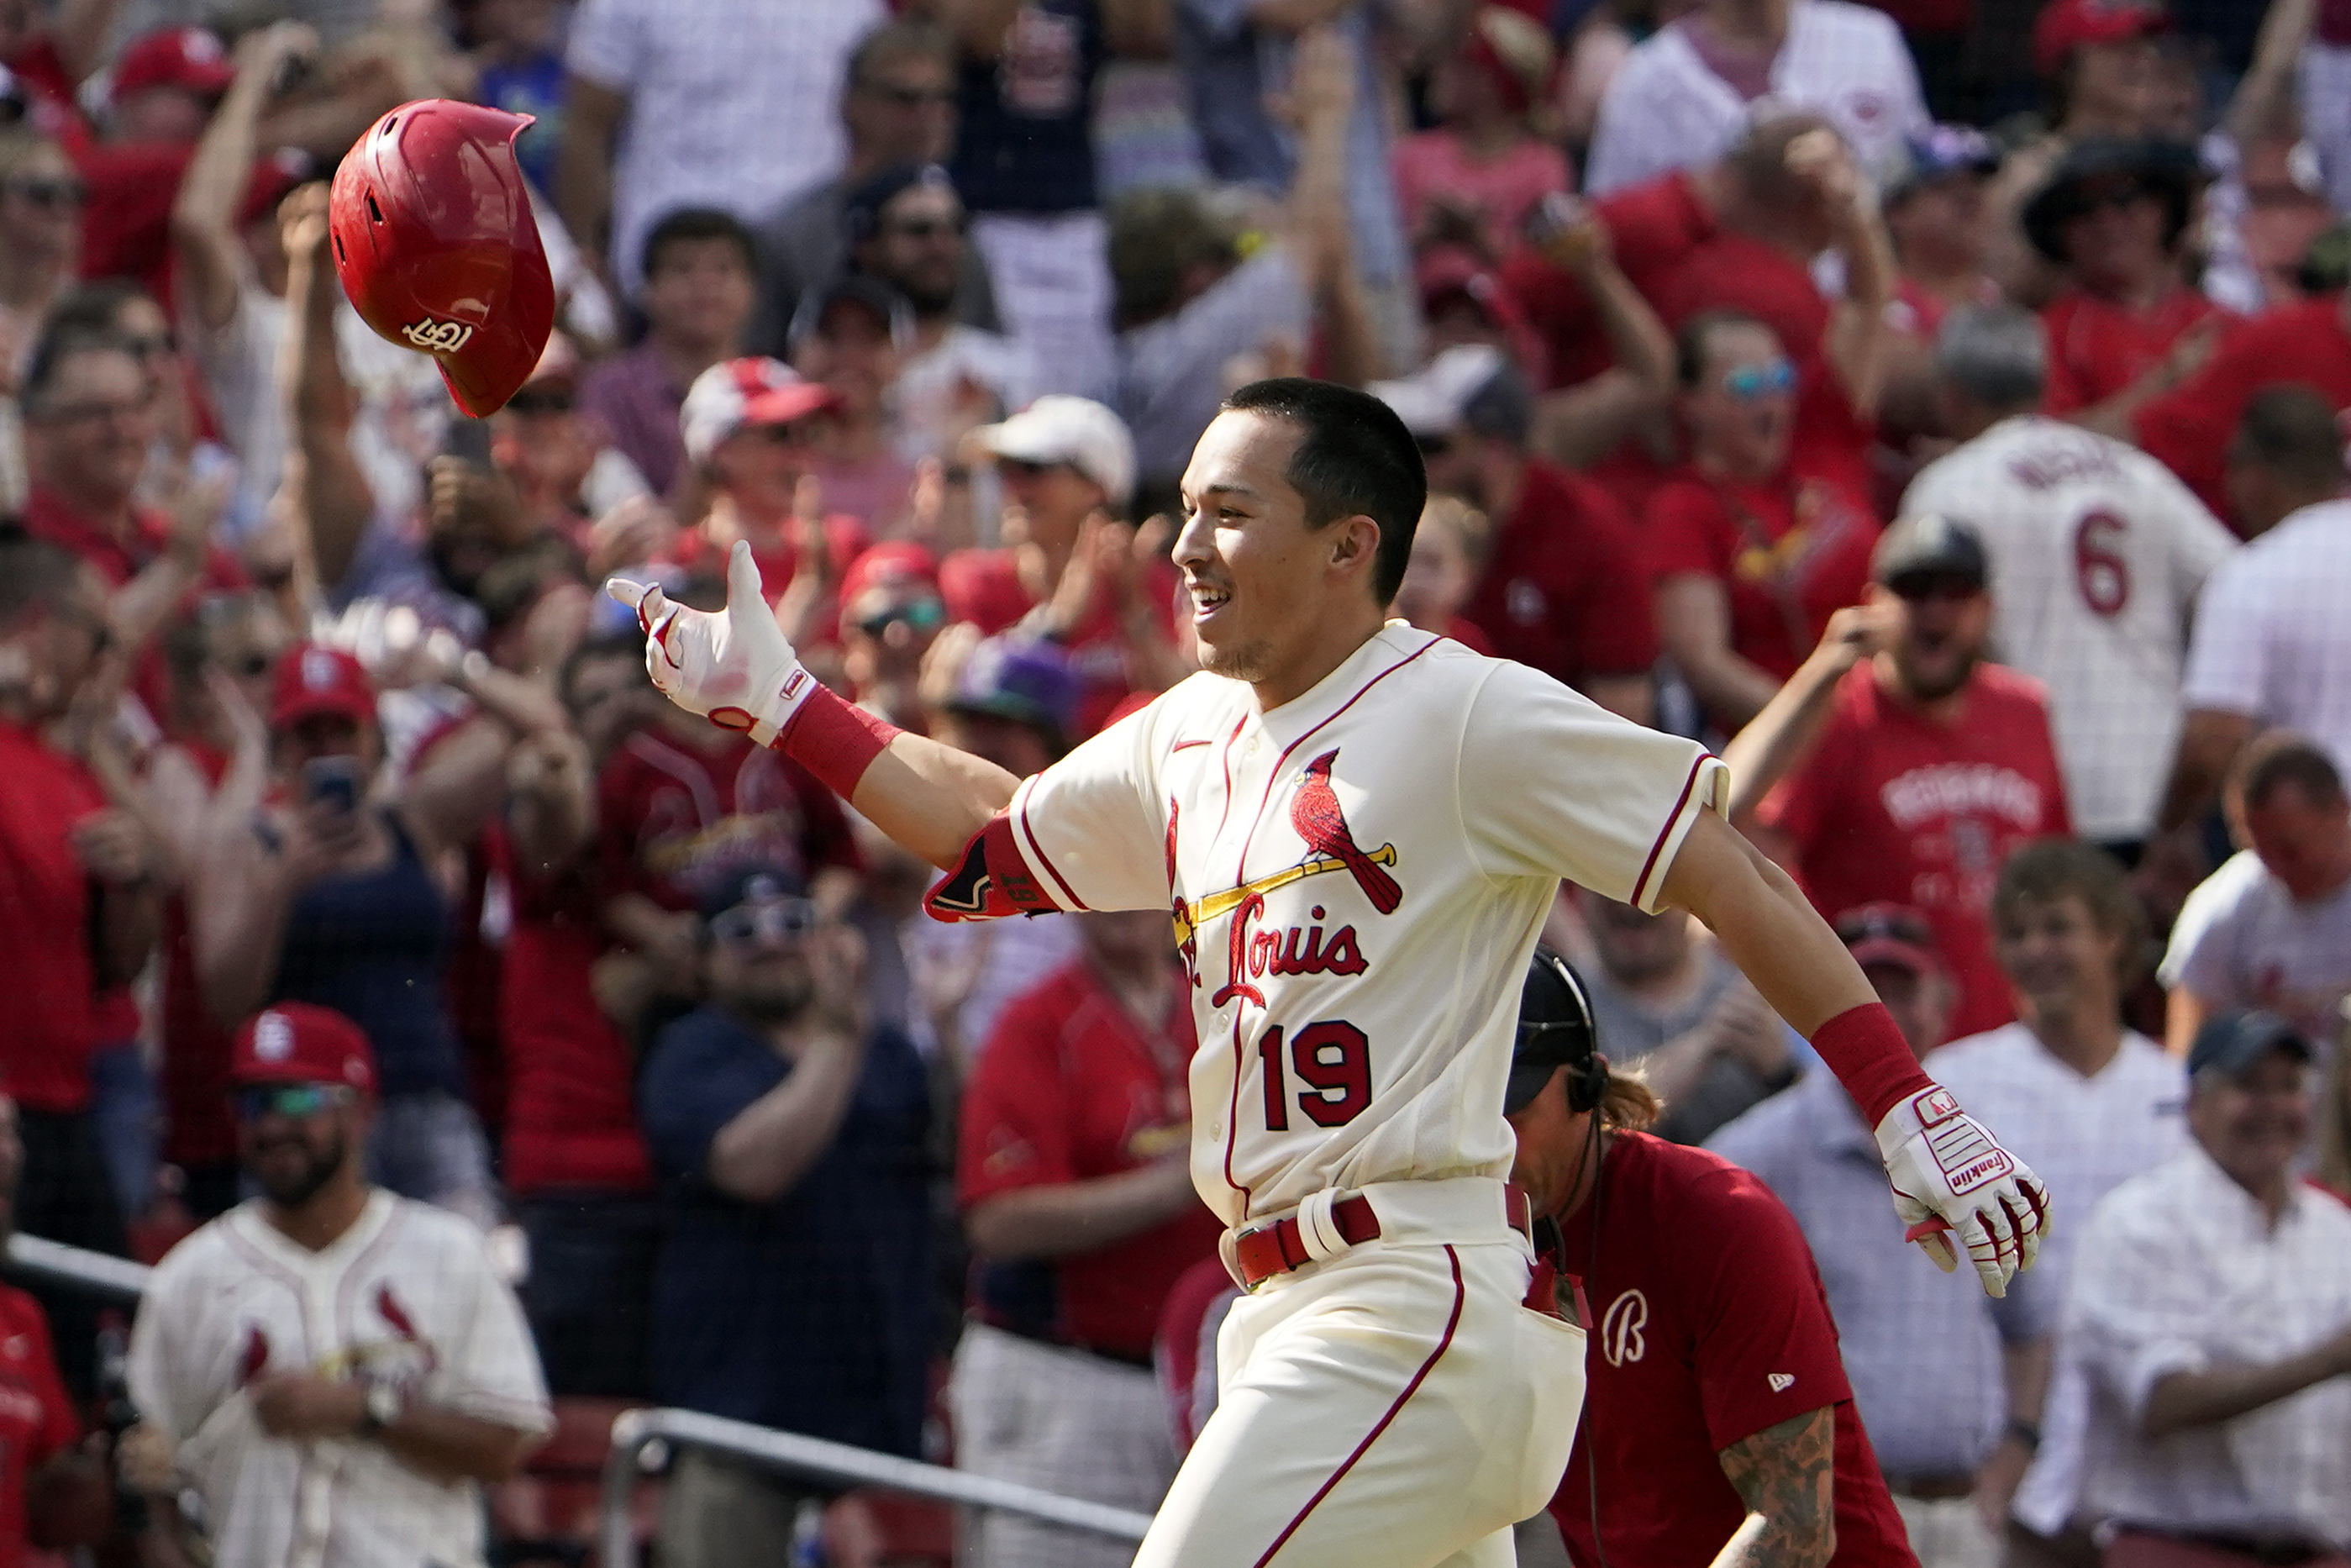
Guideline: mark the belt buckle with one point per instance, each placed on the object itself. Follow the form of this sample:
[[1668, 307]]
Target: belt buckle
[[1248, 1285]]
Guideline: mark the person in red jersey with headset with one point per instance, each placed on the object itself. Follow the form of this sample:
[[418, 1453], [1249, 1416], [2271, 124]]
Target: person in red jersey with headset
[[1717, 1426]]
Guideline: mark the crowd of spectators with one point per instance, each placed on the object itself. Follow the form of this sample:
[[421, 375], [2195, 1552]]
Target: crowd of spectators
[[1946, 430]]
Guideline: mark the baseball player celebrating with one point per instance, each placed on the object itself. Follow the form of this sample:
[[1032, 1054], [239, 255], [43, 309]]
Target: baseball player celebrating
[[1358, 828], [333, 1370]]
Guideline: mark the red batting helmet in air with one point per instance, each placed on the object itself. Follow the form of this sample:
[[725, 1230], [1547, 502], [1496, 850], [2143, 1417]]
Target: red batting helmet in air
[[437, 248]]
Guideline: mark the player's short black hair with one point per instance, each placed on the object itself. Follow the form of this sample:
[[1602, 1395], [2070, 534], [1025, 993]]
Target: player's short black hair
[[1356, 459], [688, 225]]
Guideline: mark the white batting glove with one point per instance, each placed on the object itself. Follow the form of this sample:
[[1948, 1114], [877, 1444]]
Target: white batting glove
[[1955, 1186], [735, 666]]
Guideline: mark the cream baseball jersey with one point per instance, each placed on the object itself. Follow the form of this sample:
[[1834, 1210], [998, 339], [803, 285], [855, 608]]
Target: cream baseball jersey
[[1356, 879], [406, 1296], [2097, 553]]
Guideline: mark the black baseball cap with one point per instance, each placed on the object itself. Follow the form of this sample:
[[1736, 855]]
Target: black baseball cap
[[1928, 545], [1556, 1028], [2234, 1042]]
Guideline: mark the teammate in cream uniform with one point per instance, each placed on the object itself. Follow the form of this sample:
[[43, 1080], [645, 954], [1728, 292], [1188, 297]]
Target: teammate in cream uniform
[[331, 1368], [2097, 554], [1357, 828]]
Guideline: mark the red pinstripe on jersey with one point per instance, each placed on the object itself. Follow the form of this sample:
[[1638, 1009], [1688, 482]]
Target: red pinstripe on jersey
[[1640, 882]]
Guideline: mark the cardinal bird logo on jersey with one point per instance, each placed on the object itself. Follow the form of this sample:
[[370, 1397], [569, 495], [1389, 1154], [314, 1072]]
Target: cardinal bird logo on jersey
[[1256, 949], [1315, 812]]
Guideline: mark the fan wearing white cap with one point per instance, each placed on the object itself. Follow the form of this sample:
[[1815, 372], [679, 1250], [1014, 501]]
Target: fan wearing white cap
[[750, 428], [1067, 465]]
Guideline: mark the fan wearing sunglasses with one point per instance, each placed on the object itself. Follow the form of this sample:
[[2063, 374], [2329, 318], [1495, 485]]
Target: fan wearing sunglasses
[[788, 1132], [1751, 555], [40, 236], [325, 1311], [891, 613]]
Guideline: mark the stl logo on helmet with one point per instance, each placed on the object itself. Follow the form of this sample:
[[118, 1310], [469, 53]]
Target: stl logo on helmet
[[438, 336]]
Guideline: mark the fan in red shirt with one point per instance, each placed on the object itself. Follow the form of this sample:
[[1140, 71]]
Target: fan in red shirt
[[1564, 589], [1074, 1180], [1742, 235], [575, 1160], [2112, 214], [749, 428], [52, 1495], [1067, 469], [1715, 1402], [2190, 426], [1751, 544], [1900, 767]]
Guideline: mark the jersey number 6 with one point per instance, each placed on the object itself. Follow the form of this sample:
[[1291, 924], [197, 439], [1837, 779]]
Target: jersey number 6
[[1332, 1059], [2102, 572]]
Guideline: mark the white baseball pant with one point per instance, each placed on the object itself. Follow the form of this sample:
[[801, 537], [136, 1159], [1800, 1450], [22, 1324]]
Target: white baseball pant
[[1393, 1406]]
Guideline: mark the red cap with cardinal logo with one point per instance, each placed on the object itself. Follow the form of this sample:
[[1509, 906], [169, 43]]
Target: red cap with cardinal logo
[[436, 246]]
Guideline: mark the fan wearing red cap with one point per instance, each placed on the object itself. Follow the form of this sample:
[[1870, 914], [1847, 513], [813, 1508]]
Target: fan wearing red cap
[[332, 1312], [464, 280], [891, 613], [750, 427]]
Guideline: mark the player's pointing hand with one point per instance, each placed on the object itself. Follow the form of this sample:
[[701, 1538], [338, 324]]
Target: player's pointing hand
[[734, 666], [1955, 1186]]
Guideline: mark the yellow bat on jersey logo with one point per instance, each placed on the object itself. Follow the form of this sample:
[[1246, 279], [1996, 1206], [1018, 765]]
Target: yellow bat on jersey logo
[[1189, 918]]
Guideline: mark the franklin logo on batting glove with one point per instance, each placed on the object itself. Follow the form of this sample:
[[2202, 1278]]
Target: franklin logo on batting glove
[[1953, 1183]]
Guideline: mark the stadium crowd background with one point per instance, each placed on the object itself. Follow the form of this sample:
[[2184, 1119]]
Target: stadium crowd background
[[307, 692]]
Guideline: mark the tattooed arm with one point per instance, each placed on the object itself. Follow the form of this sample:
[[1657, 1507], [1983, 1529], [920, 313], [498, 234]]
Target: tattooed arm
[[1786, 1475]]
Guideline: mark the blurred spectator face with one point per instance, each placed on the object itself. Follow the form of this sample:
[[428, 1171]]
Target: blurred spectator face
[[292, 1138], [759, 961], [51, 653], [1439, 578], [2113, 84], [851, 351], [760, 466], [522, 26], [2253, 1123], [1131, 942], [699, 291], [41, 200], [2302, 841], [1018, 748], [1942, 218], [1938, 627], [1633, 947], [88, 435], [2115, 238], [605, 695], [917, 247], [2055, 952], [1742, 410], [889, 628], [323, 735], [1045, 502], [1921, 1003], [902, 112], [541, 438], [245, 638], [162, 114]]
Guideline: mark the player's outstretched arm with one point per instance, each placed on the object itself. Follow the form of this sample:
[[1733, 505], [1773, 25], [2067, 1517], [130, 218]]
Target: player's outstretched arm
[[1952, 1181], [736, 668]]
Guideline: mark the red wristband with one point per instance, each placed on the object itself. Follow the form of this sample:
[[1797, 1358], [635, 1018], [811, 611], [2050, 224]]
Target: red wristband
[[835, 740], [1871, 1059]]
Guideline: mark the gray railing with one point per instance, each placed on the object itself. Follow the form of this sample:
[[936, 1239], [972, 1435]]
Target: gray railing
[[835, 1464], [116, 1278], [809, 1459]]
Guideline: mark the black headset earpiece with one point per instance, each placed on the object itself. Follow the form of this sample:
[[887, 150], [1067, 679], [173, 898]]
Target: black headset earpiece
[[1587, 1085]]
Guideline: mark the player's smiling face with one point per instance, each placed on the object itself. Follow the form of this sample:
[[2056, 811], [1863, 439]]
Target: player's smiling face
[[1274, 602]]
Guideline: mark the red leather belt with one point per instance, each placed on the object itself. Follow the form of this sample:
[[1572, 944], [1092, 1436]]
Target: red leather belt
[[1265, 1251]]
